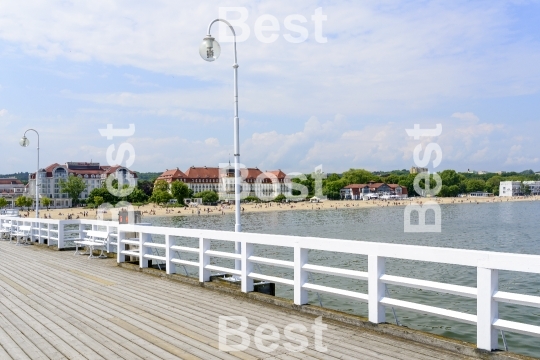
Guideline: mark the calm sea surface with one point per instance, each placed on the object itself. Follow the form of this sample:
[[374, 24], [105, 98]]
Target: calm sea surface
[[505, 227]]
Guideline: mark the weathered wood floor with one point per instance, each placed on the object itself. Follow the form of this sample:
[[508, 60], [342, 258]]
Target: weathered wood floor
[[55, 305]]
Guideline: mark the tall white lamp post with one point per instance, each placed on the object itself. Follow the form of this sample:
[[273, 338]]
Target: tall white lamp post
[[24, 143], [210, 51]]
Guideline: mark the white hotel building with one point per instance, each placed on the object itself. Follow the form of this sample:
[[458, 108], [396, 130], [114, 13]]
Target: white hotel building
[[510, 188], [534, 187], [93, 174], [515, 188]]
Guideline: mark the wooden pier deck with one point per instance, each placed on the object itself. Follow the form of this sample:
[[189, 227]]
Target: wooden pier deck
[[55, 305]]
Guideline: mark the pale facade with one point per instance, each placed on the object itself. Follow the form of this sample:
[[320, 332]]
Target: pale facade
[[361, 191], [510, 188], [418, 170], [534, 187], [267, 184], [11, 189], [93, 175]]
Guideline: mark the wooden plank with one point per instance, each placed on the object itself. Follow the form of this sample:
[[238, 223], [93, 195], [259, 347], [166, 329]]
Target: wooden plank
[[14, 285], [31, 350], [10, 347], [61, 349]]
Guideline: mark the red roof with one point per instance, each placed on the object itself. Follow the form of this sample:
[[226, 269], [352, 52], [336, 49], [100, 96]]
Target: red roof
[[10, 181], [278, 173], [172, 175], [202, 173]]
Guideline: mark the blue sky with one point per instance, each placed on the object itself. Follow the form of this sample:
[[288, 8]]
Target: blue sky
[[70, 68]]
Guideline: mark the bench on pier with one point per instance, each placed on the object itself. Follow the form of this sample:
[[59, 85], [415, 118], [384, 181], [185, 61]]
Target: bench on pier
[[5, 231], [93, 240], [22, 234]]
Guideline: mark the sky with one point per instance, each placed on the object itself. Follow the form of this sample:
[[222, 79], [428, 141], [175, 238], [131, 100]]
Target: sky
[[340, 92]]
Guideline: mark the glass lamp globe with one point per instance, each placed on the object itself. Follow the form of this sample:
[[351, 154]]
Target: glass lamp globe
[[24, 141], [209, 49]]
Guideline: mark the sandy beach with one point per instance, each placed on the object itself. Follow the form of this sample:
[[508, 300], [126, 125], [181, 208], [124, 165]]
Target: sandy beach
[[152, 210]]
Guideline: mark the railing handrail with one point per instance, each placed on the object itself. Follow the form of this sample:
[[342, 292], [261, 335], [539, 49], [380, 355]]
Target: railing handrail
[[463, 257]]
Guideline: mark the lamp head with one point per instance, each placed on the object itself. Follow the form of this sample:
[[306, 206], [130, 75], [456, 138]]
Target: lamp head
[[24, 141], [209, 49]]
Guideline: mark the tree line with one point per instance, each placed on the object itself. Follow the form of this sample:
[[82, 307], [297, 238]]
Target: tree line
[[159, 192], [453, 183]]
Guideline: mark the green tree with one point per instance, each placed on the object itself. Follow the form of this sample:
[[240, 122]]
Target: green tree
[[147, 186], [160, 197], [208, 197], [29, 202], [160, 185], [309, 183], [46, 202], [98, 200], [450, 177], [408, 182], [359, 176], [137, 196], [391, 179], [473, 185], [102, 192], [24, 201], [333, 177], [332, 188], [3, 202], [280, 198], [179, 191], [492, 184], [74, 186]]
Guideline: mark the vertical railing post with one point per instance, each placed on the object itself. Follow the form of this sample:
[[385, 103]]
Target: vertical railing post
[[49, 233], [247, 266], [40, 238], [81, 230], [143, 262], [120, 256], [204, 259], [376, 289], [300, 275], [487, 310], [60, 234], [108, 229], [169, 255]]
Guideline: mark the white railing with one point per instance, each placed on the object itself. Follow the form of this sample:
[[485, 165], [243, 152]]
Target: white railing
[[61, 232], [487, 263], [486, 293]]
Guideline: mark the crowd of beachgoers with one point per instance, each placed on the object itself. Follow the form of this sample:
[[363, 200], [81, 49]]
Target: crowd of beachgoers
[[222, 209]]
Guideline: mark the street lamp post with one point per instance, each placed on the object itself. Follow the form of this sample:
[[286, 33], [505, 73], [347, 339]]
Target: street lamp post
[[24, 143], [210, 51]]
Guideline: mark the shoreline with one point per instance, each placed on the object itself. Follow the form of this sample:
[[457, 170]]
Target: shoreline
[[152, 210]]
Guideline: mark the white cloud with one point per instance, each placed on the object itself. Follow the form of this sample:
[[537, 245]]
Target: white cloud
[[410, 55], [383, 60], [3, 112], [212, 142], [469, 116]]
